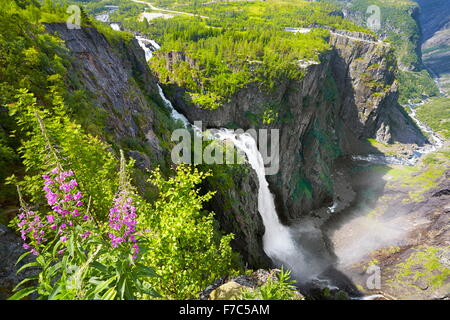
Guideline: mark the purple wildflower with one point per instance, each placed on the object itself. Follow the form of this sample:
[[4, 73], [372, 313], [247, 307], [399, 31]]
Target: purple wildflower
[[64, 198], [122, 221], [32, 230]]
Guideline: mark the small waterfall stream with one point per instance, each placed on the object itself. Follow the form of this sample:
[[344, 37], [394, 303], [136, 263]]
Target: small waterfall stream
[[435, 140]]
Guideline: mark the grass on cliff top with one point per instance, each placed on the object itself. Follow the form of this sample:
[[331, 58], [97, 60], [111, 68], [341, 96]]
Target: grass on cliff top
[[240, 43], [424, 264]]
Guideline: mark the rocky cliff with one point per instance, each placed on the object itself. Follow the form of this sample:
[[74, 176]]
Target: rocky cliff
[[349, 97], [122, 90], [136, 120], [435, 24]]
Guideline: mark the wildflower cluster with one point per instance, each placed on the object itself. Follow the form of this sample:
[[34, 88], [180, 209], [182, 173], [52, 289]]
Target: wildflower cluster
[[61, 191], [32, 230], [122, 221]]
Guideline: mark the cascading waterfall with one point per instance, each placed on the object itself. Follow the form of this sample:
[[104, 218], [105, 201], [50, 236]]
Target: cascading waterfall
[[277, 241]]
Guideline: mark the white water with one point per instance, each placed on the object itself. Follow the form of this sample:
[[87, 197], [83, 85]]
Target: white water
[[277, 241], [174, 113], [115, 26], [435, 140], [435, 144], [143, 43], [104, 17]]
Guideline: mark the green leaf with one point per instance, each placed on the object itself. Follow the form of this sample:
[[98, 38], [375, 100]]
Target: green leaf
[[25, 281], [22, 256], [99, 266], [55, 292], [151, 293], [53, 269], [103, 285], [70, 246], [110, 294], [28, 265], [146, 271], [22, 293]]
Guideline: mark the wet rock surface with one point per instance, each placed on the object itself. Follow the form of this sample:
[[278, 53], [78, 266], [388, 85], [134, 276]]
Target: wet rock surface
[[10, 250]]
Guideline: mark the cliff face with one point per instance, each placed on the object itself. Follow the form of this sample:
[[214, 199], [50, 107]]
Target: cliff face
[[122, 89], [435, 23], [349, 97]]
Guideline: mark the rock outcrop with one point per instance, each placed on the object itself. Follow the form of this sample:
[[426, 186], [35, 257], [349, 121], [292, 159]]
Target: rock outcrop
[[10, 250], [122, 89], [231, 289], [435, 24], [349, 97]]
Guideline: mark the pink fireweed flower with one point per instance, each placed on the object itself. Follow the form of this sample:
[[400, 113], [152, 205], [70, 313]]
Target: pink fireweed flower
[[32, 230], [65, 200], [122, 221], [86, 234]]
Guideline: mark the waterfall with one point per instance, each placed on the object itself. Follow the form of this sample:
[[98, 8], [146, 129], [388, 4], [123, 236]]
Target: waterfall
[[277, 241], [115, 26], [174, 113], [143, 44], [104, 17]]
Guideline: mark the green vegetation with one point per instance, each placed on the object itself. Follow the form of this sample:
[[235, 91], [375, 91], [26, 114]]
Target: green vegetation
[[424, 264], [420, 178], [281, 288], [40, 133], [185, 250], [414, 86], [214, 63], [401, 29], [436, 114], [396, 20], [238, 44]]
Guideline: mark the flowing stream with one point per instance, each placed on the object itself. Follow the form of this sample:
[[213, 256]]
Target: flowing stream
[[435, 144], [277, 241]]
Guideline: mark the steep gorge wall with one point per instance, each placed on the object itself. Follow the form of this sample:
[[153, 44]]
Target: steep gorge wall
[[123, 92], [349, 97]]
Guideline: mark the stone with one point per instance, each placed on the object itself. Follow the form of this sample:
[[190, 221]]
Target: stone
[[228, 291]]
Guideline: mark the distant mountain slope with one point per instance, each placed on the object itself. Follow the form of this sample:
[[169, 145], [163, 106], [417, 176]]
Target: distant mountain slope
[[435, 22]]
